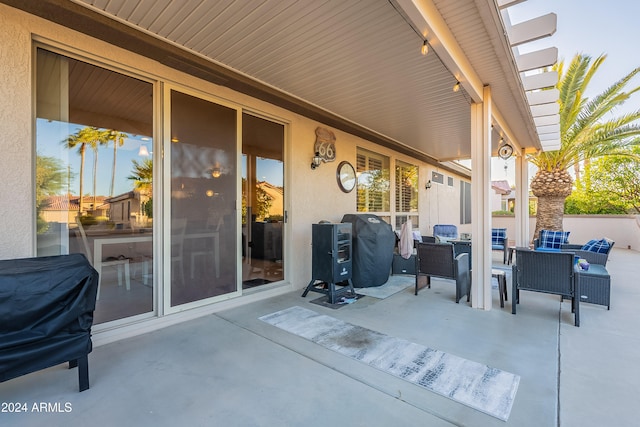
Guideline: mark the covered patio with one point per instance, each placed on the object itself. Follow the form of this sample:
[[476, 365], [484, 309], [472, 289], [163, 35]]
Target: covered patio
[[355, 67], [568, 376]]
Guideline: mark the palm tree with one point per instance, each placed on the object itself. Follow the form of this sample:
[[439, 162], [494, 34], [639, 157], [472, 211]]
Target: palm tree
[[82, 138], [118, 141], [586, 132], [142, 176], [101, 137]]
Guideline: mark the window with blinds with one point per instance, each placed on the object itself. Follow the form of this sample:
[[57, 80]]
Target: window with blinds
[[406, 187], [406, 184], [373, 182]]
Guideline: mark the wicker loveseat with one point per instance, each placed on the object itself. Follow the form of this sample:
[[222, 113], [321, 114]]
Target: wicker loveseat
[[594, 251], [46, 314]]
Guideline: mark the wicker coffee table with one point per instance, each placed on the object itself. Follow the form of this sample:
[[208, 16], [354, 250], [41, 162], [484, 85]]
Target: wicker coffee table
[[594, 285]]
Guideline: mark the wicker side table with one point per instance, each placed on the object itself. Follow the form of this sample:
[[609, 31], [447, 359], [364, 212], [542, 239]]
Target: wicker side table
[[594, 285]]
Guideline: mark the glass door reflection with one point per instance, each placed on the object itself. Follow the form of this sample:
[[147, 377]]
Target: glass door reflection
[[262, 201]]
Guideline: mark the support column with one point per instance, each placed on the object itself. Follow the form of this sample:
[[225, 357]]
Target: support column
[[480, 202], [522, 201]]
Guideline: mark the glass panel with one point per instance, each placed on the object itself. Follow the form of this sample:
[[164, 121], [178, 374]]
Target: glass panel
[[373, 182], [203, 194], [262, 201], [465, 202], [94, 181], [406, 188], [401, 219]]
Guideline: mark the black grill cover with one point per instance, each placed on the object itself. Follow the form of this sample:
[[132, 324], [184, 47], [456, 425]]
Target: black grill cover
[[46, 312], [373, 243]]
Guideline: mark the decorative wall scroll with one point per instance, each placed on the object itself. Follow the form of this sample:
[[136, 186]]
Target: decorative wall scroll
[[325, 144]]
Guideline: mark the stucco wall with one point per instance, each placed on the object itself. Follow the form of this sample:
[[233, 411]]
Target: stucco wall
[[623, 229], [16, 185], [311, 195]]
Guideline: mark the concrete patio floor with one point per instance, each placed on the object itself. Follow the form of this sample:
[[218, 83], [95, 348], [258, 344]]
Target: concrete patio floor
[[231, 369]]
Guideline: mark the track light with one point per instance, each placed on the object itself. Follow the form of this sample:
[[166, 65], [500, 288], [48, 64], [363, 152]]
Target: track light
[[425, 48], [456, 87]]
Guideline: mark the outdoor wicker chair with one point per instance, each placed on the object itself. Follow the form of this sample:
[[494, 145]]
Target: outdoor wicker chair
[[592, 257], [548, 272], [438, 260]]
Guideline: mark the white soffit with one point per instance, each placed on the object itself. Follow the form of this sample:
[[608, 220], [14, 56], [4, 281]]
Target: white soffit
[[506, 3], [540, 81], [543, 103], [543, 96], [551, 145], [533, 29], [545, 109], [553, 128], [549, 136], [547, 120], [538, 59]]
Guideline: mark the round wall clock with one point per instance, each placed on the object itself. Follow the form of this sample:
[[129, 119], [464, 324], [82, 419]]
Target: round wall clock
[[346, 176]]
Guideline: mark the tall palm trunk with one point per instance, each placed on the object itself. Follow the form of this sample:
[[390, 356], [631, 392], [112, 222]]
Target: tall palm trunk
[[95, 177], [80, 201], [113, 168], [551, 188]]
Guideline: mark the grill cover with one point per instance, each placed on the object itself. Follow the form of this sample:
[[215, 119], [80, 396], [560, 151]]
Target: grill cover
[[46, 312], [373, 243]]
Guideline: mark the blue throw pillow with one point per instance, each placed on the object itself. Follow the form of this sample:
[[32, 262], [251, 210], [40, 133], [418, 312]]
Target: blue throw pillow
[[553, 239], [498, 235], [600, 246]]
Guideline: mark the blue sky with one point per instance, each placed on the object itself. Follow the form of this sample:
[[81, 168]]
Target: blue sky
[[591, 27]]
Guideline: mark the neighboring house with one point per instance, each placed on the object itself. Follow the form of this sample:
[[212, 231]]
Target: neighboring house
[[276, 195], [126, 208], [503, 196], [64, 209]]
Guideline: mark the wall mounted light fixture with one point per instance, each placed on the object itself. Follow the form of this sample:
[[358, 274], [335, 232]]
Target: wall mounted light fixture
[[456, 87], [315, 161], [428, 185], [216, 172]]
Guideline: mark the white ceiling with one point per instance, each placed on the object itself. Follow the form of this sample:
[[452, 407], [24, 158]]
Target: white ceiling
[[359, 60]]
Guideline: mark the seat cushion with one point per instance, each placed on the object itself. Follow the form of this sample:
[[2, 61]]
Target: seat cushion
[[497, 236], [553, 239], [599, 246], [542, 249]]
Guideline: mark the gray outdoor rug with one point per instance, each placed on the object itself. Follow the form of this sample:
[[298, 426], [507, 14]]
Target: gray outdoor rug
[[394, 285], [478, 386]]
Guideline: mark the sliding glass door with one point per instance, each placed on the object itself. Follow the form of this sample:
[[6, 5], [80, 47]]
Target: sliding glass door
[[203, 182], [94, 177], [263, 214]]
